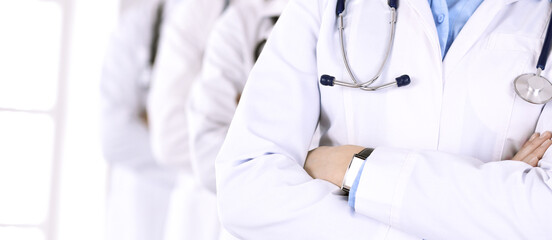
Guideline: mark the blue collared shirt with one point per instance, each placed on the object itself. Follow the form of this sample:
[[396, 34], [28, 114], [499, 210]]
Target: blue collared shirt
[[450, 16]]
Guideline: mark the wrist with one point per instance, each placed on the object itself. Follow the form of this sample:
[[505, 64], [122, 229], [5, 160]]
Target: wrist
[[342, 155]]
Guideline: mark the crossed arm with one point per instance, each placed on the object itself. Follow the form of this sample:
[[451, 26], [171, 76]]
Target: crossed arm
[[330, 163]]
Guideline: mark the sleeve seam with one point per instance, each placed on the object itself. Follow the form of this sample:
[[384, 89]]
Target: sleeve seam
[[400, 189]]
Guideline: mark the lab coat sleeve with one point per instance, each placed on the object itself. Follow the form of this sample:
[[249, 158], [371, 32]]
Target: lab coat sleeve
[[178, 63], [125, 138], [215, 94], [263, 190], [436, 195]]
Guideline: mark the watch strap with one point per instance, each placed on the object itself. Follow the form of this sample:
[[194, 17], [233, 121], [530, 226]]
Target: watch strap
[[365, 153]]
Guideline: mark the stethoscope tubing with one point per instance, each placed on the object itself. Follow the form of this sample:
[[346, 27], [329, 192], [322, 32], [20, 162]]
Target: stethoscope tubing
[[366, 85], [545, 52]]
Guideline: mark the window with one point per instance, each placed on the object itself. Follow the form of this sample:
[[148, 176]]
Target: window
[[26, 159], [31, 48], [30, 58], [52, 175]]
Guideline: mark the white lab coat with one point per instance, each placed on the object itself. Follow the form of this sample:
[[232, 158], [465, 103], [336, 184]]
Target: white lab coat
[[193, 208], [229, 57], [436, 172], [139, 189], [178, 64]]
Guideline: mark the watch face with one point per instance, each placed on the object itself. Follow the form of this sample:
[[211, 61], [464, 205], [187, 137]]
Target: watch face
[[352, 172]]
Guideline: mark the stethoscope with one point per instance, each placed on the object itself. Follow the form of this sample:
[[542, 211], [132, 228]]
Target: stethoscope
[[146, 74], [400, 81], [532, 87]]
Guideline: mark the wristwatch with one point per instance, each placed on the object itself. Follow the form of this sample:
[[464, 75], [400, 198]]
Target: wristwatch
[[354, 167]]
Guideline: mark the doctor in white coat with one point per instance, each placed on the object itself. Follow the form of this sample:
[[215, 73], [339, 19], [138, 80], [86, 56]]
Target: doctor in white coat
[[192, 211], [140, 188], [233, 47], [440, 167]]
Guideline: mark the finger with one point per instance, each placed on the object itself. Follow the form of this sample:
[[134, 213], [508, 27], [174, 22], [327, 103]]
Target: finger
[[533, 158], [542, 149], [531, 146], [539, 152], [546, 135], [532, 161], [535, 135]]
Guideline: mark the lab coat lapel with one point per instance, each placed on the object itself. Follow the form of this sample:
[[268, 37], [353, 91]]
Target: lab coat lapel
[[472, 32], [421, 7]]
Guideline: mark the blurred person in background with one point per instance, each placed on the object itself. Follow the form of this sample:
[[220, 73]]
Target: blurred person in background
[[139, 188], [193, 213], [233, 47]]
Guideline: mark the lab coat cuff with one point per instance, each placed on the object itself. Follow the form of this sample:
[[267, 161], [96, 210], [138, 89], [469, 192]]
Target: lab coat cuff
[[352, 193], [382, 184]]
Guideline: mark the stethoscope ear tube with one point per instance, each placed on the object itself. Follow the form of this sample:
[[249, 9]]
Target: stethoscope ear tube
[[327, 80], [401, 81]]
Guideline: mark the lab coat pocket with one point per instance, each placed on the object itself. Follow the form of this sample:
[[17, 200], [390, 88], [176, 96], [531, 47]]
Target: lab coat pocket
[[512, 42], [521, 52]]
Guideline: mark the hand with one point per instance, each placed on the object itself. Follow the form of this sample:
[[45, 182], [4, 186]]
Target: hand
[[532, 151], [144, 117], [330, 163]]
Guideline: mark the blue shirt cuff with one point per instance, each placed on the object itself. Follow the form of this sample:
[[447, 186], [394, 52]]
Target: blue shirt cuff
[[352, 192]]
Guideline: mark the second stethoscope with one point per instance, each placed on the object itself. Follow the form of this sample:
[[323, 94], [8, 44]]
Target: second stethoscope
[[400, 81], [532, 87]]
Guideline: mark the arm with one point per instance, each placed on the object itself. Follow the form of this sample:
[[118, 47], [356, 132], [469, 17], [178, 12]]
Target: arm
[[518, 218], [263, 191], [125, 138], [214, 95], [178, 64], [438, 195], [331, 163]]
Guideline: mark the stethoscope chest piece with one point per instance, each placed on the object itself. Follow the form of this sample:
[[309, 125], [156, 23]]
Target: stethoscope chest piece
[[533, 88]]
